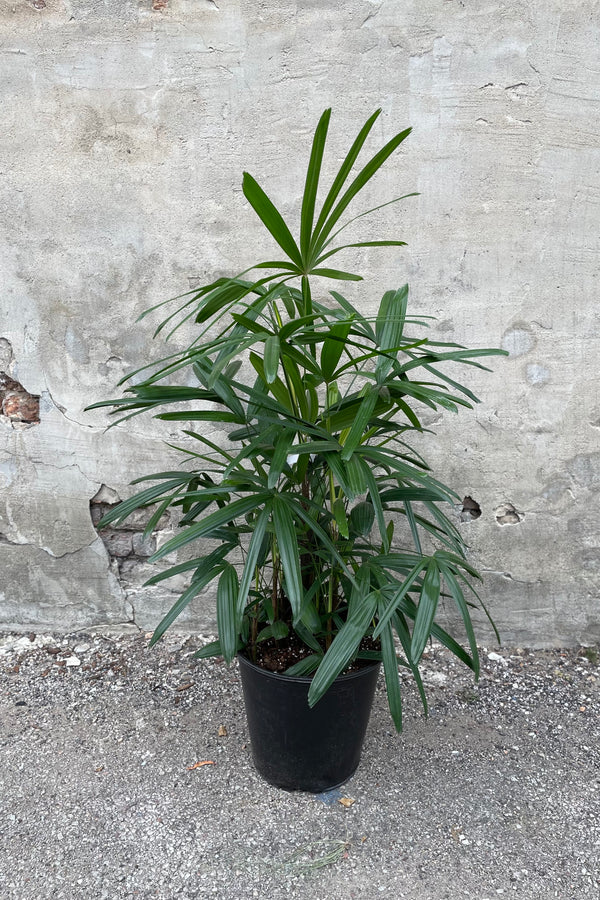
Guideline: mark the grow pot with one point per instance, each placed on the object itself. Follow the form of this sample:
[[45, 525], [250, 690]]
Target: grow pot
[[302, 749]]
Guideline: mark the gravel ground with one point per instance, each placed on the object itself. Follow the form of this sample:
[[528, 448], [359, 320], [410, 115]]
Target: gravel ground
[[496, 794]]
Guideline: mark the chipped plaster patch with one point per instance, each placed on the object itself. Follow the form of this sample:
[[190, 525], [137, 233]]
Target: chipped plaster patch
[[470, 510], [6, 354], [537, 374], [506, 514], [518, 340]]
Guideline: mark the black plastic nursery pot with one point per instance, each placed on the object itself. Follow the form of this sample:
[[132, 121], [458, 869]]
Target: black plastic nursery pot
[[302, 749]]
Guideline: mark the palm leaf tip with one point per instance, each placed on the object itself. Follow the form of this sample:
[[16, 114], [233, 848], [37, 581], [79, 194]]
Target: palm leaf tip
[[312, 183], [270, 216]]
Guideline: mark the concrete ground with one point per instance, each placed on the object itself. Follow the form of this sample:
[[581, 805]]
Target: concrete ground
[[495, 795]]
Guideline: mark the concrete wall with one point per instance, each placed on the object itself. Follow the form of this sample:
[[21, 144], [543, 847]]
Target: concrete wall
[[125, 128]]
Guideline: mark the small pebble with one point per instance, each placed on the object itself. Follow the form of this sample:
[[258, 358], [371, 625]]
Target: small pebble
[[495, 657]]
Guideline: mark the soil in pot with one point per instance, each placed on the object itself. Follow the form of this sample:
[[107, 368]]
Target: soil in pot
[[279, 655]]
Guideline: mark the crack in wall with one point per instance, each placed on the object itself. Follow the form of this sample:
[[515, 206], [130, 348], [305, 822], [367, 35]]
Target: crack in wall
[[509, 577], [4, 539], [62, 410]]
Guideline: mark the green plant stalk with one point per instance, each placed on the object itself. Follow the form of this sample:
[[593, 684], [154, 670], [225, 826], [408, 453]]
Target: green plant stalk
[[254, 621], [289, 385], [307, 305], [332, 578], [275, 585]]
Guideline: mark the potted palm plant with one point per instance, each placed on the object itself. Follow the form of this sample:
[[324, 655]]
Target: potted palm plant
[[324, 530]]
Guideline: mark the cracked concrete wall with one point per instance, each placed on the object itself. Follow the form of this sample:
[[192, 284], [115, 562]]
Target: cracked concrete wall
[[126, 126]]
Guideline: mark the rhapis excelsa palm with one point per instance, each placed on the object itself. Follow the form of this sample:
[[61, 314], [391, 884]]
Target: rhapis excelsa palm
[[300, 495]]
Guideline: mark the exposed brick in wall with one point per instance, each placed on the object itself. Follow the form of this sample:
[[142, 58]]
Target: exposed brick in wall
[[16, 403], [125, 543]]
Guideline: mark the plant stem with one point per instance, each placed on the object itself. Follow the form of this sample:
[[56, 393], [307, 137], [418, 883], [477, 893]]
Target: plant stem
[[254, 633], [306, 296], [308, 306], [331, 585], [275, 586]]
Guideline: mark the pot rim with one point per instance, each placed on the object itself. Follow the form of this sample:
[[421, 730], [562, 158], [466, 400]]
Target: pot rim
[[306, 679]]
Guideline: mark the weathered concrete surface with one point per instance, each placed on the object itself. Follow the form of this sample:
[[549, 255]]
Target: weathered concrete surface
[[495, 795], [125, 129]]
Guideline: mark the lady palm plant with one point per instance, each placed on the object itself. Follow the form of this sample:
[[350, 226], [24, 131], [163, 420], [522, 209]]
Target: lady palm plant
[[329, 528]]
